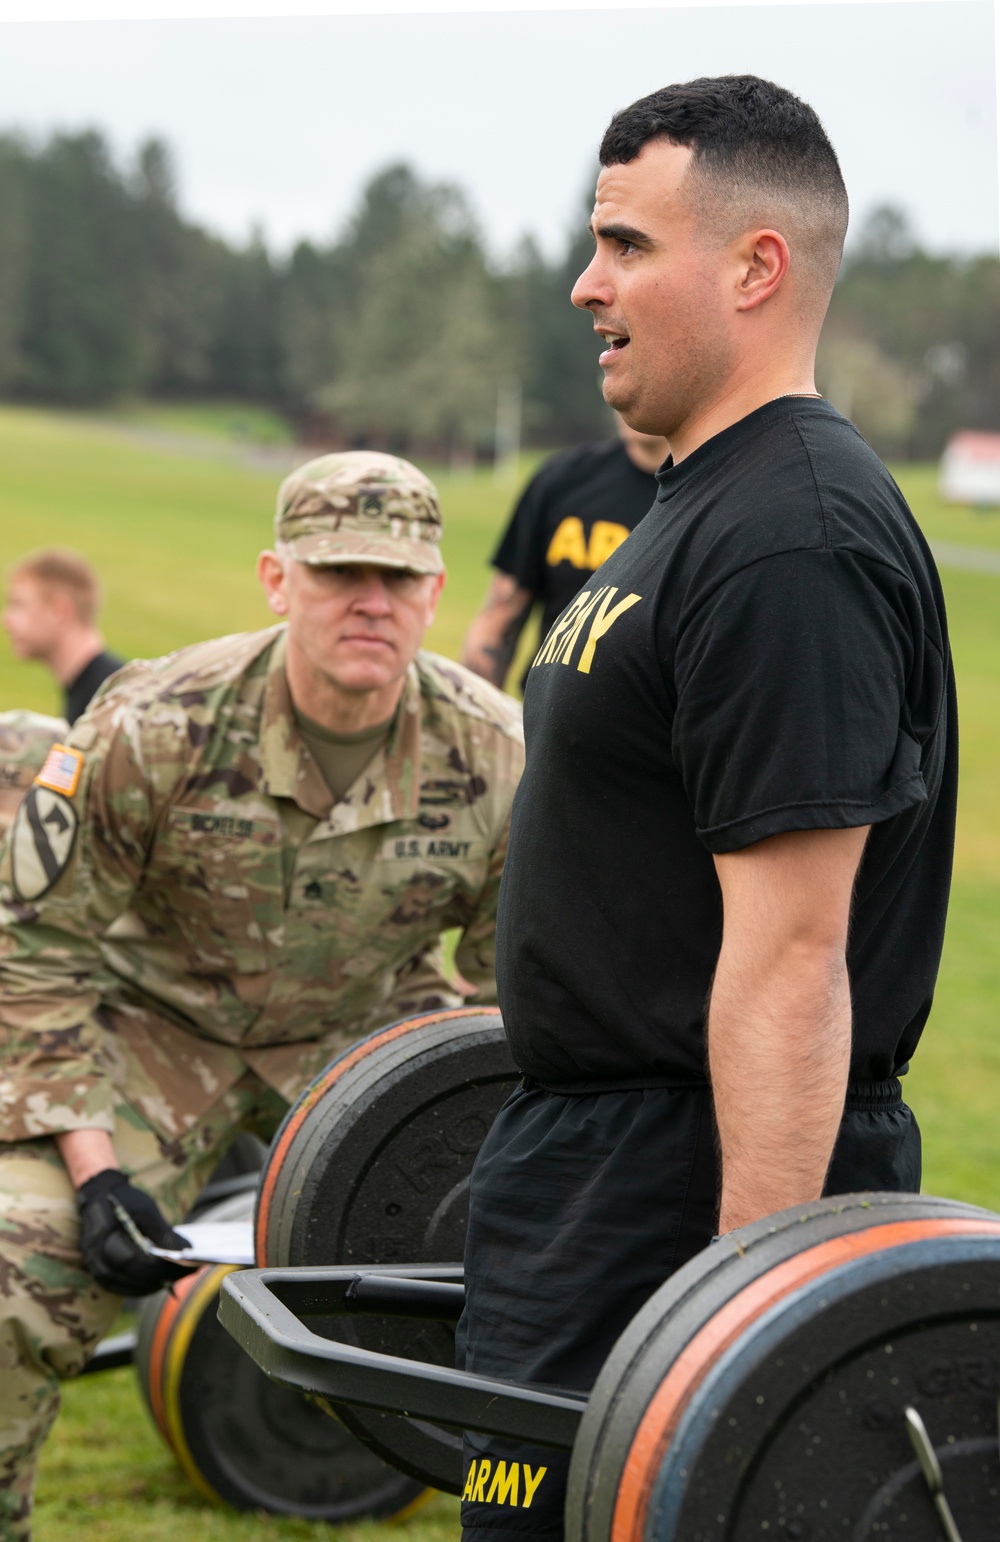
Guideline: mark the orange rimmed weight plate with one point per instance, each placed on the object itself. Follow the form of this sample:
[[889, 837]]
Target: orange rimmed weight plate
[[314, 1093], [242, 1440], [762, 1390], [664, 1413], [372, 1166]]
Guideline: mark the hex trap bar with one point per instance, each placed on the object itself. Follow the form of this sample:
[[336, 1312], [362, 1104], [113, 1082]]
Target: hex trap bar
[[266, 1311]]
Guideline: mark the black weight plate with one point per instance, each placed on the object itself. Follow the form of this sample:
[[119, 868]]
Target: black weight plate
[[241, 1439], [830, 1378], [372, 1165], [152, 1325], [680, 1316]]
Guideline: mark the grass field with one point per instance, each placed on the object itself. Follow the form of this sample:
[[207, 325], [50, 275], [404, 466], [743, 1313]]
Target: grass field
[[175, 537], [237, 422]]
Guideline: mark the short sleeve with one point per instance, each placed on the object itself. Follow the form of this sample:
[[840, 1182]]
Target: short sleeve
[[805, 687], [521, 551]]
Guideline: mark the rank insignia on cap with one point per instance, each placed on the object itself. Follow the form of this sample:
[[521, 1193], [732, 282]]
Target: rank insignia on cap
[[41, 842], [61, 770]]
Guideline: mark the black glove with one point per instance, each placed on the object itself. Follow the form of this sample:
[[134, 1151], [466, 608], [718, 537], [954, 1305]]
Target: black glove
[[111, 1256]]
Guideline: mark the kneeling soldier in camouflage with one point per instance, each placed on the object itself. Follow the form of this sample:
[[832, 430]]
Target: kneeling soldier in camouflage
[[241, 858], [25, 741]]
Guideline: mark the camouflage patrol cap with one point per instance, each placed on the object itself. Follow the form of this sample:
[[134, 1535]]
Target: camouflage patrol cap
[[361, 506]]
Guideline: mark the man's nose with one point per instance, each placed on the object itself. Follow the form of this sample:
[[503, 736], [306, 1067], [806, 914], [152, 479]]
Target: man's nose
[[373, 596], [592, 288]]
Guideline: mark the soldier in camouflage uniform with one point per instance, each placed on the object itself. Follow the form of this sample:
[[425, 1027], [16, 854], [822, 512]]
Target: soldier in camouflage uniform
[[194, 923], [25, 740]]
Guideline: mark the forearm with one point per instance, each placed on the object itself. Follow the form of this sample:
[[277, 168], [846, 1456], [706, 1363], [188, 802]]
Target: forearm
[[475, 960], [489, 647], [85, 1152], [54, 1046], [779, 1040], [491, 640], [475, 955]]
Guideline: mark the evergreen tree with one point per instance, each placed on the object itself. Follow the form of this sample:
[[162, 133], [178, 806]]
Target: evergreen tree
[[400, 332]]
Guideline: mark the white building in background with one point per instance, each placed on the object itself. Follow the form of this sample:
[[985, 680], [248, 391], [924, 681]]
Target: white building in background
[[970, 469]]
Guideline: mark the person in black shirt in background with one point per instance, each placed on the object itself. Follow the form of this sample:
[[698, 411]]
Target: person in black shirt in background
[[571, 516], [741, 737], [53, 598]]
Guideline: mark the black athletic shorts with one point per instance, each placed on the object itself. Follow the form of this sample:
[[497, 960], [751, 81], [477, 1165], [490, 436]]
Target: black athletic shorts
[[581, 1206]]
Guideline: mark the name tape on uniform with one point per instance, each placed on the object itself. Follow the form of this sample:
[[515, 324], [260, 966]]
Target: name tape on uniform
[[208, 822], [430, 848]]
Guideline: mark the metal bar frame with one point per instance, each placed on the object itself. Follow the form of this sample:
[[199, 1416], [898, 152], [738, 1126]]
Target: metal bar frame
[[264, 1309], [118, 1349]]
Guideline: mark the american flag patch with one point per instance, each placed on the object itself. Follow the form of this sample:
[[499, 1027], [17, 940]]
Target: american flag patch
[[61, 770]]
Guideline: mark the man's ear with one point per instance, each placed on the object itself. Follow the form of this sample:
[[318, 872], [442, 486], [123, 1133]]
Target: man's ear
[[61, 604], [765, 262], [271, 572], [435, 594]]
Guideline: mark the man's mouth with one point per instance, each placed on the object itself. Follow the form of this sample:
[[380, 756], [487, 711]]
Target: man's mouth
[[614, 343]]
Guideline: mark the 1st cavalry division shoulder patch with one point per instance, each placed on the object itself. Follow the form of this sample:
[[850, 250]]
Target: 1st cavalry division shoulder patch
[[41, 841]]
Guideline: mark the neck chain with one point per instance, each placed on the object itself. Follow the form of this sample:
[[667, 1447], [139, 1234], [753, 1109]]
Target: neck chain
[[818, 395]]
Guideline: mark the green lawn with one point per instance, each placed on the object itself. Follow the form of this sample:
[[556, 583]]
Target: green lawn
[[944, 522], [175, 538], [235, 422], [107, 1477]]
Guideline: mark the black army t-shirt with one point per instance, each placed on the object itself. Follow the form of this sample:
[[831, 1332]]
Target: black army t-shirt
[[570, 518], [767, 652]]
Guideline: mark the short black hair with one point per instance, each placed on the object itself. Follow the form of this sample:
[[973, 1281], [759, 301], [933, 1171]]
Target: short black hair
[[753, 142], [729, 121]]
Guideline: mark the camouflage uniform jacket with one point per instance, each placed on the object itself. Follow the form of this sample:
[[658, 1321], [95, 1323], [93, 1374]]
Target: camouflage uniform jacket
[[213, 909]]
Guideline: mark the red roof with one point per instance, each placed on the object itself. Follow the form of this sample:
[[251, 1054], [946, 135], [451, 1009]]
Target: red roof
[[974, 446]]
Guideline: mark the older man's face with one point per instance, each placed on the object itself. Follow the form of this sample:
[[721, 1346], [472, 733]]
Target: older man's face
[[358, 625]]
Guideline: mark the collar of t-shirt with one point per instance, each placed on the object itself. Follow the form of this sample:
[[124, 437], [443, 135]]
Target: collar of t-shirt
[[673, 478], [341, 757]]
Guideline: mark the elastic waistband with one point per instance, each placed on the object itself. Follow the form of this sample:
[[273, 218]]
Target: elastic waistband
[[874, 1094], [860, 1095], [628, 1084]]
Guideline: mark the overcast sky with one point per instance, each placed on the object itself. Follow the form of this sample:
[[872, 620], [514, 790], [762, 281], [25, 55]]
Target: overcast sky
[[281, 121]]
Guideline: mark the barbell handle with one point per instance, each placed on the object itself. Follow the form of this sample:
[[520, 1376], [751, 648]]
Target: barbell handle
[[264, 1310], [931, 1469]]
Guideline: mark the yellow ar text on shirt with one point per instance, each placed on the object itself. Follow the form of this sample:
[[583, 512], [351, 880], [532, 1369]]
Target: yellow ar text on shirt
[[569, 544]]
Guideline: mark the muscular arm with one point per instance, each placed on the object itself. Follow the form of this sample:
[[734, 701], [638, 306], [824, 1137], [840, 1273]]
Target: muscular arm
[[493, 633], [779, 1023]]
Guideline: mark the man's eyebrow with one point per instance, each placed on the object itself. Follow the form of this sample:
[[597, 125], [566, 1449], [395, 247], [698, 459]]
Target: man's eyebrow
[[617, 232]]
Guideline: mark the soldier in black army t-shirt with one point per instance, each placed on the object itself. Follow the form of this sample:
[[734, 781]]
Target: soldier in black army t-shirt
[[572, 515], [724, 898], [53, 598]]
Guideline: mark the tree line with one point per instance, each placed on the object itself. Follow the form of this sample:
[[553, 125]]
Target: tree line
[[404, 331]]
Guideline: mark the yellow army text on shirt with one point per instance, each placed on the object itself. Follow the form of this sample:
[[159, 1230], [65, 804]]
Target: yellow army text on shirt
[[182, 898]]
